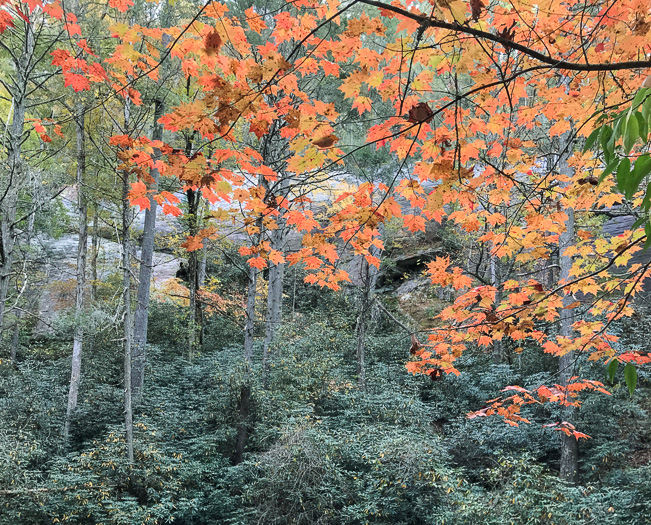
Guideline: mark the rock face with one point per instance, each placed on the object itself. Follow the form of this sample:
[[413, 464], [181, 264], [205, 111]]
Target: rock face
[[58, 261]]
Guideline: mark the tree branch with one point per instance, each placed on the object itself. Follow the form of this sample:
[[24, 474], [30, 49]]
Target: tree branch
[[509, 44]]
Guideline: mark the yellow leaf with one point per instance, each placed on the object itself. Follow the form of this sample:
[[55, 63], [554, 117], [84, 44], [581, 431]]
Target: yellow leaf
[[458, 10]]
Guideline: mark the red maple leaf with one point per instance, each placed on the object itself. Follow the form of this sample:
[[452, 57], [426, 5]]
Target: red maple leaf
[[5, 21], [76, 82], [121, 5]]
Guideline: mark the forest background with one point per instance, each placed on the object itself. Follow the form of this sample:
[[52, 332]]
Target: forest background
[[356, 262]]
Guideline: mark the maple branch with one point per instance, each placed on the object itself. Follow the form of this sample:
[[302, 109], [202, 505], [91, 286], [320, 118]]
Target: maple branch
[[391, 316], [509, 44]]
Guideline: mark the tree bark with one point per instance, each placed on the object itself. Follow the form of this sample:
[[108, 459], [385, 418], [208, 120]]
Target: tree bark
[[15, 171], [569, 469], [244, 412], [126, 291], [498, 350], [196, 317], [274, 301], [78, 338], [249, 325], [139, 350], [369, 280]]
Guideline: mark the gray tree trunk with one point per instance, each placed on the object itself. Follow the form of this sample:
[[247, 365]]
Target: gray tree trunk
[[249, 324], [274, 301], [569, 469], [196, 317], [126, 283], [498, 350], [369, 280], [139, 350], [78, 338], [14, 174]]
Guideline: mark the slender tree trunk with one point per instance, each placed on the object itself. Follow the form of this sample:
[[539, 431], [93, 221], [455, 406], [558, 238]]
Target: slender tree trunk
[[127, 317], [78, 338], [498, 351], [244, 413], [244, 402], [249, 325], [203, 263], [369, 281], [274, 301], [15, 169], [194, 330], [139, 350], [569, 469]]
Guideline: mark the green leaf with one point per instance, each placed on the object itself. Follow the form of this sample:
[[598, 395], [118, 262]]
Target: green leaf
[[631, 133], [606, 144], [640, 97], [623, 172], [592, 138], [630, 375], [611, 370], [646, 108], [609, 169], [641, 169], [644, 128]]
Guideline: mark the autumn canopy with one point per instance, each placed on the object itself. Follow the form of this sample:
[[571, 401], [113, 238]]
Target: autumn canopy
[[518, 122]]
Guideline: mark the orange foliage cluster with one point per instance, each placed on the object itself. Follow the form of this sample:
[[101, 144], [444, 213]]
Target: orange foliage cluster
[[489, 104]]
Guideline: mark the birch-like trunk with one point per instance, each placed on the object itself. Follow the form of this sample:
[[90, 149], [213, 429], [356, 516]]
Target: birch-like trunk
[[14, 174], [126, 297], [139, 350], [78, 338]]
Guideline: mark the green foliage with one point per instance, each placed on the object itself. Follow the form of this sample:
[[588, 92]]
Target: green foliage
[[319, 450]]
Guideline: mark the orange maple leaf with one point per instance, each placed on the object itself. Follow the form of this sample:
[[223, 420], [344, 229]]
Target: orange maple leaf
[[121, 5]]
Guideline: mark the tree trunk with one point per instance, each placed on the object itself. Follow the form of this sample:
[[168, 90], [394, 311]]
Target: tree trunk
[[126, 283], [569, 469], [78, 338], [201, 278], [244, 412], [498, 350], [369, 280], [195, 321], [274, 301], [139, 350], [14, 171], [243, 405], [249, 325]]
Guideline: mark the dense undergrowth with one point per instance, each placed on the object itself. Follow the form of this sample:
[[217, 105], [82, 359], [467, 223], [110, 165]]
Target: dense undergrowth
[[319, 450]]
